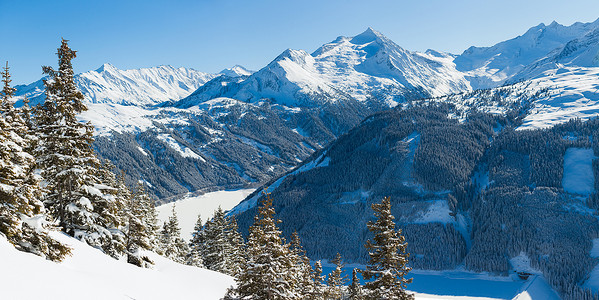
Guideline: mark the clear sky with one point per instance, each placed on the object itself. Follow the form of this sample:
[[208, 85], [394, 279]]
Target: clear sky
[[210, 35]]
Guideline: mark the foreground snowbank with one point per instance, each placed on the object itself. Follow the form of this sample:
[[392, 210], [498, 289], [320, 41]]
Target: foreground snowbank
[[90, 274]]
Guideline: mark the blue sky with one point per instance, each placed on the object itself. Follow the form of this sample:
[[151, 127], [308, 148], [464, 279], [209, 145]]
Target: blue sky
[[211, 35]]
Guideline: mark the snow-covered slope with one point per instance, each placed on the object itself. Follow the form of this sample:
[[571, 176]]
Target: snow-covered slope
[[91, 274], [141, 87], [487, 67]]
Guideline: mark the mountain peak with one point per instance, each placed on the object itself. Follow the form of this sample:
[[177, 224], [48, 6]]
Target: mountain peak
[[106, 67], [236, 71], [369, 35], [298, 56]]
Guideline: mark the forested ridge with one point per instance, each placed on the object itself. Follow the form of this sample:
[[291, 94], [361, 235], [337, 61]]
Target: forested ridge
[[472, 191]]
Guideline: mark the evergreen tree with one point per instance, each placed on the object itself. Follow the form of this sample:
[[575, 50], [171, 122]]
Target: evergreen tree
[[76, 197], [149, 213], [139, 231], [236, 247], [216, 246], [7, 91], [355, 289], [318, 278], [302, 269], [171, 245], [220, 244], [267, 274], [22, 218], [335, 289], [387, 267], [196, 245]]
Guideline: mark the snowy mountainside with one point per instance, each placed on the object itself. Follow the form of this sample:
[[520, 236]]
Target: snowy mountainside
[[548, 100], [580, 52], [90, 274], [141, 87], [224, 143], [487, 67]]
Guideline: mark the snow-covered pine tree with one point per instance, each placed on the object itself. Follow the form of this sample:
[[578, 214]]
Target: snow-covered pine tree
[[267, 273], [22, 218], [196, 244], [302, 269], [355, 291], [320, 285], [150, 215], [335, 289], [222, 247], [387, 266], [75, 194], [171, 245], [216, 246], [237, 247], [114, 210], [139, 233]]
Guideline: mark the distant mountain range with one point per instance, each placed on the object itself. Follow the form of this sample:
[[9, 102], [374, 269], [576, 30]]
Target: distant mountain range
[[183, 130]]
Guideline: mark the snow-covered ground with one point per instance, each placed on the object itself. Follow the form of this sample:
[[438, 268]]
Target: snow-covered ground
[[578, 171], [462, 285], [90, 274], [190, 207], [573, 94]]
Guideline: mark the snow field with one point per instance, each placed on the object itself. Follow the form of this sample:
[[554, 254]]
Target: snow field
[[578, 175], [91, 274]]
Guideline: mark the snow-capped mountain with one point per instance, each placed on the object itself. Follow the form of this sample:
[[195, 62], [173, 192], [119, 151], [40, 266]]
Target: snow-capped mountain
[[487, 67], [367, 68], [141, 87], [236, 71], [165, 117]]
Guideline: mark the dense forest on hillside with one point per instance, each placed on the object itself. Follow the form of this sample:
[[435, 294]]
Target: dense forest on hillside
[[474, 192]]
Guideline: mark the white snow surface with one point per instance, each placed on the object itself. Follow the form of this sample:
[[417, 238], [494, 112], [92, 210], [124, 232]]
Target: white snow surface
[[182, 150], [91, 274], [189, 207], [437, 212], [578, 175]]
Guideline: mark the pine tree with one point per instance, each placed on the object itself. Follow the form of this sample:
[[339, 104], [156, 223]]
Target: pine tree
[[236, 247], [139, 231], [388, 258], [216, 246], [171, 245], [302, 269], [267, 273], [22, 214], [223, 247], [76, 197], [318, 278], [196, 245], [150, 215], [335, 289], [355, 289]]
